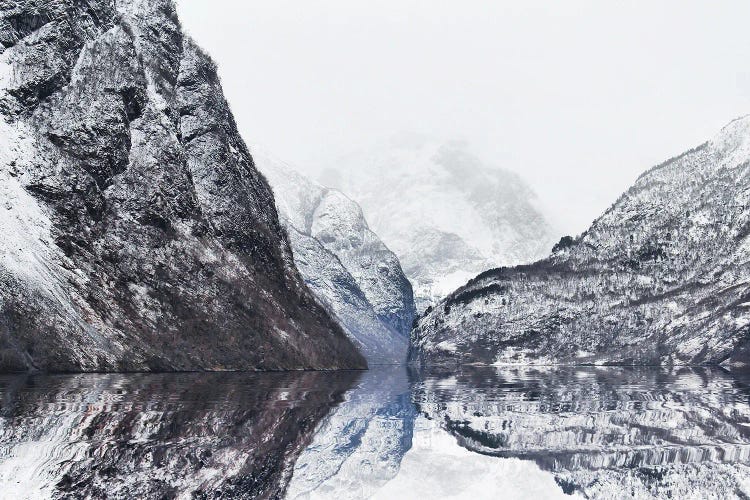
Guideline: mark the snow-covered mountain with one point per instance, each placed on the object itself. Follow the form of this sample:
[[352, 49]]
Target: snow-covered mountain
[[662, 277], [137, 233], [343, 262], [445, 214]]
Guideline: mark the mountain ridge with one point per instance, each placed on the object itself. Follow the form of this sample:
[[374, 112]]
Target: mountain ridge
[[658, 278], [346, 265]]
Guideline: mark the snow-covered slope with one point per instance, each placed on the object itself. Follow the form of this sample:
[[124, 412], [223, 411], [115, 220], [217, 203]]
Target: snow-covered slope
[[443, 212], [662, 277], [344, 263], [137, 233]]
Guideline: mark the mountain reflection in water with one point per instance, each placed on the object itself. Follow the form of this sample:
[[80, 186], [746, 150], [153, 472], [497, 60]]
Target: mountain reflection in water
[[385, 433], [197, 435]]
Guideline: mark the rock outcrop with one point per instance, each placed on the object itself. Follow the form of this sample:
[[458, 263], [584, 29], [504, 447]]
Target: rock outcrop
[[137, 232]]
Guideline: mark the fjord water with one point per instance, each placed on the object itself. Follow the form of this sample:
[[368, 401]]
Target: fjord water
[[390, 432]]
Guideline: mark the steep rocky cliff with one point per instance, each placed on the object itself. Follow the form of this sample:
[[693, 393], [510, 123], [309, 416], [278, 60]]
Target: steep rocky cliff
[[137, 232], [445, 213], [663, 277], [344, 263]]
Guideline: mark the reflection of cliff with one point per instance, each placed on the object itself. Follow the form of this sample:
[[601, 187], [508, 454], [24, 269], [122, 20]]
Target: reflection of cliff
[[159, 436], [604, 432], [359, 447]]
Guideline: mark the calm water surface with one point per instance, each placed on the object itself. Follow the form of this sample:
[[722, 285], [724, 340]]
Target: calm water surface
[[386, 433]]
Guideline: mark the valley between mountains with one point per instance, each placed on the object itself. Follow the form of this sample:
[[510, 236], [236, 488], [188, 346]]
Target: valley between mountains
[[141, 234]]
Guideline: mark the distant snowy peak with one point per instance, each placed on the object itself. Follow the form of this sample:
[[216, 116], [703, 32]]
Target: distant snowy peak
[[344, 262], [446, 214]]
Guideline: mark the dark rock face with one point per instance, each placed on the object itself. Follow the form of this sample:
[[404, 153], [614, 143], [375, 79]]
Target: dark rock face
[[216, 435], [660, 278], [140, 235]]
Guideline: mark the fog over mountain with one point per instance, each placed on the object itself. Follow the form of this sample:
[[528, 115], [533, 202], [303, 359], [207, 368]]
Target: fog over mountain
[[414, 302], [443, 211], [577, 96]]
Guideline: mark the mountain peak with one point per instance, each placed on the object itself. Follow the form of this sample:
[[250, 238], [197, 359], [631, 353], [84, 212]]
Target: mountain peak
[[661, 277], [444, 212]]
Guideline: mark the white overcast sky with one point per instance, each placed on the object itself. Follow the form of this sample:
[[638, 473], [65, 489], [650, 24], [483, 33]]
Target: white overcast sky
[[579, 97]]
